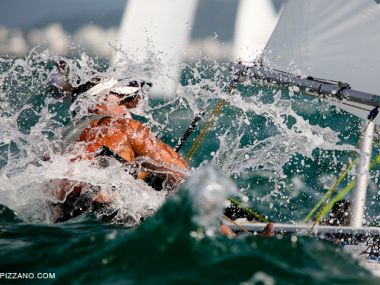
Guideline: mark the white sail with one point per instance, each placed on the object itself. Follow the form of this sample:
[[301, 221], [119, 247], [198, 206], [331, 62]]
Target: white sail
[[336, 40], [162, 28], [254, 24]]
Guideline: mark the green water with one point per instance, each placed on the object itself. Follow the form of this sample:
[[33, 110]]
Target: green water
[[170, 248], [163, 251]]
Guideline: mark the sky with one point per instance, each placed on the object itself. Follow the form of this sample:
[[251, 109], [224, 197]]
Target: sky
[[32, 14], [58, 24]]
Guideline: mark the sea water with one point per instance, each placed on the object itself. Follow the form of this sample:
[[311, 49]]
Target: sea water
[[274, 150]]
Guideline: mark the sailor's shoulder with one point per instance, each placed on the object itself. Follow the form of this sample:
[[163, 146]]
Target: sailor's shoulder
[[127, 121], [102, 121], [75, 129], [108, 120]]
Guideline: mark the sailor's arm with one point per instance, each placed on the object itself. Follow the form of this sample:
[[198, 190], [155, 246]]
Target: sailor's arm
[[129, 139], [145, 143]]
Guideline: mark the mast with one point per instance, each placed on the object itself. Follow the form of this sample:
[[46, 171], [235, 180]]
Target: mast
[[362, 177]]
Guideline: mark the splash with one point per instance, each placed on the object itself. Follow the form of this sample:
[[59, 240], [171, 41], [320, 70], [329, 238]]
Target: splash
[[208, 191], [26, 144], [292, 135], [258, 130]]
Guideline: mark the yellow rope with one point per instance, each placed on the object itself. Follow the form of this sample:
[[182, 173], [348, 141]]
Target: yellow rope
[[250, 211], [239, 226], [347, 188], [331, 191], [199, 139]]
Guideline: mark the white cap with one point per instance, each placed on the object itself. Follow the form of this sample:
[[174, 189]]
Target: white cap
[[112, 85]]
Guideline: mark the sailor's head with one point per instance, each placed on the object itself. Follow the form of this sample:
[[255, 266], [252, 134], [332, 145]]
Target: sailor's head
[[112, 96], [120, 99], [99, 95]]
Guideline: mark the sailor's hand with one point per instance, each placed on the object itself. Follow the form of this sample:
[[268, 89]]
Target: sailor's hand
[[104, 198], [226, 230], [142, 175]]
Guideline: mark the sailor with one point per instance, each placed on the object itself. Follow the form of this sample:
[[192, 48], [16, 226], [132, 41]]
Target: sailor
[[107, 129]]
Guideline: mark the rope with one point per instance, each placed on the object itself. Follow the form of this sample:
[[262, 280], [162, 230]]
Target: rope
[[197, 143], [338, 197], [199, 139], [239, 226], [347, 188], [259, 217], [331, 190], [326, 198]]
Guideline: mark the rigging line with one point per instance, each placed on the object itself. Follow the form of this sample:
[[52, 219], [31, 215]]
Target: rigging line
[[197, 143], [205, 129], [199, 139], [326, 195], [338, 197], [259, 217], [332, 189], [348, 188], [189, 130], [239, 226]]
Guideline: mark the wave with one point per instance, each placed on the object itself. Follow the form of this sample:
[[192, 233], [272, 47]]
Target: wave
[[180, 243]]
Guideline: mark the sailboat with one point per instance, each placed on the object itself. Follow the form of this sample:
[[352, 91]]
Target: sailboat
[[330, 49], [255, 21], [159, 28]]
